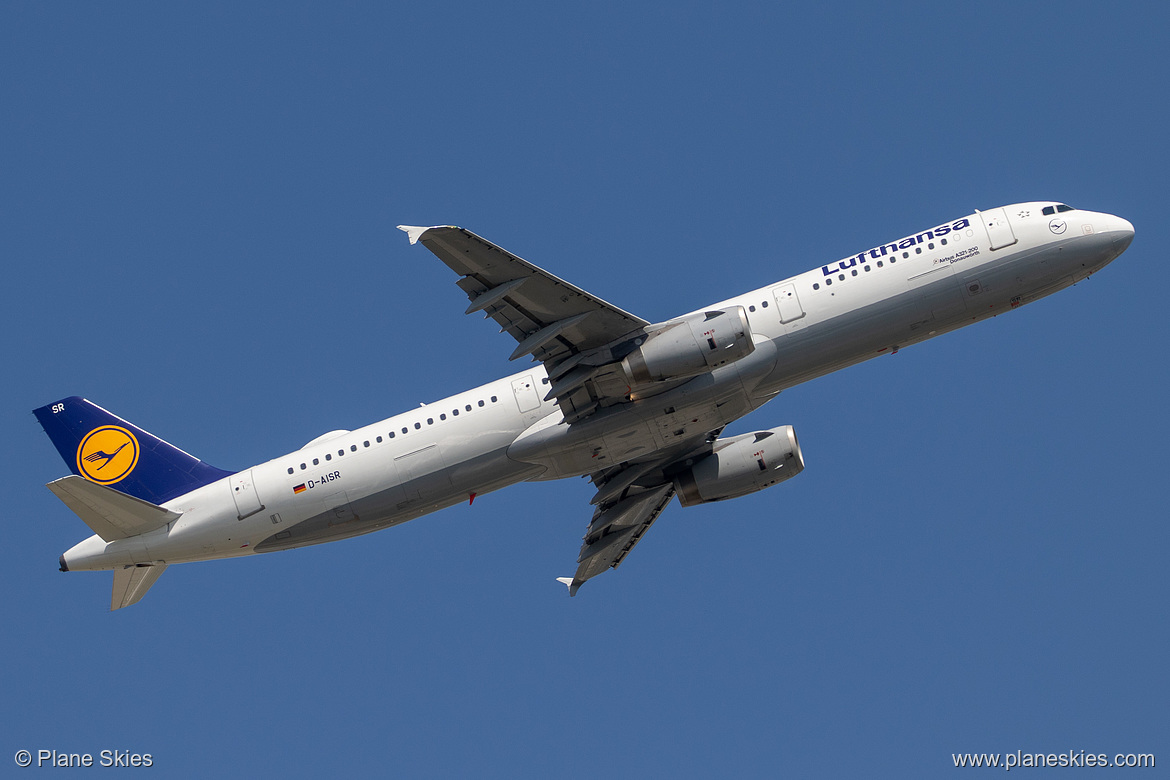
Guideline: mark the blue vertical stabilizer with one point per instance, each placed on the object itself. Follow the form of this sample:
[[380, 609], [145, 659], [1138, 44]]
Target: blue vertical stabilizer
[[105, 449]]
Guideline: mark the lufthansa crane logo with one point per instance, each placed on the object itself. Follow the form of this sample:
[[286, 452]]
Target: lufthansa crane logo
[[107, 454]]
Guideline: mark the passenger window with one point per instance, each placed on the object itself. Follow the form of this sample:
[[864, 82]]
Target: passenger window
[[290, 469], [303, 467], [418, 426], [391, 434], [751, 308], [816, 286], [764, 304], [316, 462], [328, 456], [494, 399], [364, 444], [854, 272], [379, 439], [481, 403], [468, 407], [430, 421], [353, 448], [340, 453], [442, 417], [455, 412]]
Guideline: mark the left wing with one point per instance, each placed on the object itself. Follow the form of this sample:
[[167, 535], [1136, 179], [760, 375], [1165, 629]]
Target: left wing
[[557, 323]]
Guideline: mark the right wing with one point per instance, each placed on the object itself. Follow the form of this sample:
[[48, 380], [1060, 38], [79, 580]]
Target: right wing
[[629, 498], [615, 530], [572, 332]]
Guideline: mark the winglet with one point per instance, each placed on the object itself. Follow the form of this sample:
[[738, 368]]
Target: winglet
[[414, 233], [568, 582]]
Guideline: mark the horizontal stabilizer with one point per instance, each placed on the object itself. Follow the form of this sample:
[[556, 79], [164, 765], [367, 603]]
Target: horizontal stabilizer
[[111, 514], [132, 582], [568, 583]]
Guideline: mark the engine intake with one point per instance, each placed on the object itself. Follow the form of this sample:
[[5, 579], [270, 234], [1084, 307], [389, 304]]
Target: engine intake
[[691, 346], [741, 465]]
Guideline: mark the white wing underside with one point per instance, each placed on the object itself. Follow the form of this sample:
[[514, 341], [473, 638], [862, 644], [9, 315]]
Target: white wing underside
[[572, 332]]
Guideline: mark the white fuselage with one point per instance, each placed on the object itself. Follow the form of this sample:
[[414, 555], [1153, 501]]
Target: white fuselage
[[504, 432]]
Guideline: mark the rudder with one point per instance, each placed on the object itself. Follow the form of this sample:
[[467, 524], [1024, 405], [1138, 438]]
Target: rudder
[[108, 450]]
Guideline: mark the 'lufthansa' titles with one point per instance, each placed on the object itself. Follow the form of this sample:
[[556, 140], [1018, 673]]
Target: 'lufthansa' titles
[[894, 246]]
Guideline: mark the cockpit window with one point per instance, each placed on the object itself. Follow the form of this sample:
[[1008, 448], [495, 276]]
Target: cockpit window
[[1049, 210], [1063, 208]]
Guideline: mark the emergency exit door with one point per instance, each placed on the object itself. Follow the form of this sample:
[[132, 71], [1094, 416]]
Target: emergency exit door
[[787, 303], [999, 229]]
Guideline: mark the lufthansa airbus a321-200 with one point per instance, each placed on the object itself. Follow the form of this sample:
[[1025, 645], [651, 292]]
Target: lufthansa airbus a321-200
[[638, 407]]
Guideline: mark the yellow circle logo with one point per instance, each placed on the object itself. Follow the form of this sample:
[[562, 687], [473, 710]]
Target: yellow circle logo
[[107, 454]]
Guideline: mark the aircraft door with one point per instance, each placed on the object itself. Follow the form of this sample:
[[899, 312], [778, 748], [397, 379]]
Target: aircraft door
[[787, 303], [999, 230], [244, 493], [526, 396]]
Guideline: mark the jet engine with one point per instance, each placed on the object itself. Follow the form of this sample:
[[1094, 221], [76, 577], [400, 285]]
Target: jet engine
[[741, 465], [691, 346]]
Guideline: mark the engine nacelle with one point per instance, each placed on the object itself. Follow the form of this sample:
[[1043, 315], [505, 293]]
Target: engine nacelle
[[741, 465], [694, 345]]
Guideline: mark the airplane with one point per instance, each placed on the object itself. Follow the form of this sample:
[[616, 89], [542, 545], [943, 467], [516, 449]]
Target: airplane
[[638, 407]]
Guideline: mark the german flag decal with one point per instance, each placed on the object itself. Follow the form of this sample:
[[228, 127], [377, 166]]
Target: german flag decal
[[300, 488]]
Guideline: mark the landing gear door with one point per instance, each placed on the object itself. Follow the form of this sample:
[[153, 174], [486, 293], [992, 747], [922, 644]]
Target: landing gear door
[[999, 230], [244, 493], [787, 303]]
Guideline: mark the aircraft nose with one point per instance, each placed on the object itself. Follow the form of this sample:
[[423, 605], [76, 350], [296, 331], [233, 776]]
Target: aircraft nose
[[1122, 234]]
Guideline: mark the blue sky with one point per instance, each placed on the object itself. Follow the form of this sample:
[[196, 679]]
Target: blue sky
[[197, 218]]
